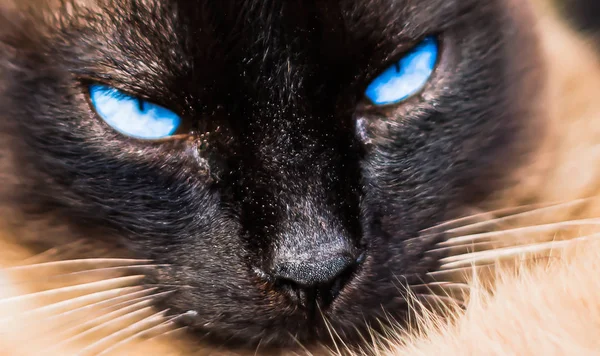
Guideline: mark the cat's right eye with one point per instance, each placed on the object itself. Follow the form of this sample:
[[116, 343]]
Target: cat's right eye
[[131, 116]]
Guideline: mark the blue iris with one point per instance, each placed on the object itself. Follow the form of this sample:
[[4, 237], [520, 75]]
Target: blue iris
[[132, 116], [407, 76]]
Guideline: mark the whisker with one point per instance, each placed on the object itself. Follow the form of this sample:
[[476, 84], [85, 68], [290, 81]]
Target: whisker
[[484, 216], [330, 331], [505, 215], [462, 249], [300, 344], [168, 334], [459, 287], [507, 219], [60, 322], [438, 300], [89, 275], [122, 334], [456, 291], [130, 313], [121, 301], [88, 263], [153, 296], [154, 331], [82, 302], [461, 273], [149, 334], [162, 285], [115, 311], [521, 230], [113, 283], [509, 252], [483, 271]]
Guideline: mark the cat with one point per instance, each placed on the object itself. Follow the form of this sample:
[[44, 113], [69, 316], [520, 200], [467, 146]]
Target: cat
[[302, 160]]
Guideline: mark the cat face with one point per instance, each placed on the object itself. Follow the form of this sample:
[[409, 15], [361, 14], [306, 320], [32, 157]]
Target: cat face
[[286, 199]]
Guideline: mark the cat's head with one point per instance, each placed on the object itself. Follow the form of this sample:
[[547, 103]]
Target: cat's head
[[307, 144]]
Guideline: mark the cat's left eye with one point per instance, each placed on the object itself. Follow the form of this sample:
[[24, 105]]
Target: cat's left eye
[[407, 76], [131, 116]]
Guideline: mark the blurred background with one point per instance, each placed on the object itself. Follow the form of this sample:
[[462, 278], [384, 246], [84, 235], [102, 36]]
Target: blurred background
[[583, 15]]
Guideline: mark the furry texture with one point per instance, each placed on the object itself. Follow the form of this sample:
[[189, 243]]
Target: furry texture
[[552, 307], [551, 310], [521, 301], [225, 206]]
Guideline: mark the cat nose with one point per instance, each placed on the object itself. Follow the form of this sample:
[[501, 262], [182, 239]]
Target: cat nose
[[313, 272], [316, 280]]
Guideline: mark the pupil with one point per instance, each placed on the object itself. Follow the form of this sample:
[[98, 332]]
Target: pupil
[[141, 104]]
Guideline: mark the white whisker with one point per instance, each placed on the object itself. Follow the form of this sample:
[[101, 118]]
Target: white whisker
[[128, 315], [330, 331], [438, 299], [81, 303], [462, 249], [95, 273], [460, 287], [482, 217], [521, 230], [168, 333], [509, 252], [513, 217], [460, 273], [456, 291], [59, 323], [151, 333], [162, 285], [115, 310], [89, 263], [79, 288], [114, 303], [155, 331], [135, 328], [504, 214]]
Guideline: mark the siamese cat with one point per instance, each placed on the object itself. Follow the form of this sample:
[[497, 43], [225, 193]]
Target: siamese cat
[[269, 176]]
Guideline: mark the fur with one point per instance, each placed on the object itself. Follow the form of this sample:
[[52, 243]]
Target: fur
[[549, 307], [566, 133]]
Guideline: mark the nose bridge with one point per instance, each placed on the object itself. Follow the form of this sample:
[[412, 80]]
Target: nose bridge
[[313, 245], [310, 231], [297, 197]]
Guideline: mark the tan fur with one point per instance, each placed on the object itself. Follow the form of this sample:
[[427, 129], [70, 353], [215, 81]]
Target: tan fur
[[550, 308], [553, 308]]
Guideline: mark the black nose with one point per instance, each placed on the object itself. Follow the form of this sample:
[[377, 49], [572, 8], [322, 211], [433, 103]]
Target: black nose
[[316, 280], [315, 272]]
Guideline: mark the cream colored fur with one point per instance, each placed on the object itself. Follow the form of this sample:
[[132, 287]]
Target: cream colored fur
[[545, 308], [552, 308], [549, 310]]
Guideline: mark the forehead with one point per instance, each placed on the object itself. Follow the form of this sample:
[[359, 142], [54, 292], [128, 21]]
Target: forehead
[[390, 16], [266, 19], [205, 41], [226, 25]]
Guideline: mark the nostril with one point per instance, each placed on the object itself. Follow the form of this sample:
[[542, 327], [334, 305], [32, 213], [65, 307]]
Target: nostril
[[313, 272], [312, 282]]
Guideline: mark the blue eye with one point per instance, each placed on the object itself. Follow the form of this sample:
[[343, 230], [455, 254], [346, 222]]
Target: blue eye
[[132, 116], [406, 77]]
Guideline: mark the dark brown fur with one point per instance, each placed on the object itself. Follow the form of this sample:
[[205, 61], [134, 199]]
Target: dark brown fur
[[283, 154]]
